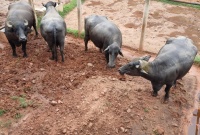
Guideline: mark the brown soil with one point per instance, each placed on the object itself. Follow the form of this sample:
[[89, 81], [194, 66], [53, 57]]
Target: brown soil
[[81, 96], [90, 99]]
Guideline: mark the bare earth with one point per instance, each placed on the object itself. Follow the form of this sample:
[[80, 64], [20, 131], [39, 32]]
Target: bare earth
[[83, 97]]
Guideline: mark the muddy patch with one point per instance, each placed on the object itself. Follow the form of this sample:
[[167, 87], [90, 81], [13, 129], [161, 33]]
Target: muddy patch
[[131, 25], [94, 3]]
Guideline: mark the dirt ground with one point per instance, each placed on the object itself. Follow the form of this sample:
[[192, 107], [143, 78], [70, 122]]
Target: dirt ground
[[83, 97], [164, 21]]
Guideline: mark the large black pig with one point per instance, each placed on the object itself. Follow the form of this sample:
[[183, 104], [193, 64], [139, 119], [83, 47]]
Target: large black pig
[[105, 35], [173, 62], [20, 19]]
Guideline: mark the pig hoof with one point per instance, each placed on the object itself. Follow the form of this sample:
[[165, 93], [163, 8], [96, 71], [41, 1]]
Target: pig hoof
[[164, 100], [25, 55], [154, 94]]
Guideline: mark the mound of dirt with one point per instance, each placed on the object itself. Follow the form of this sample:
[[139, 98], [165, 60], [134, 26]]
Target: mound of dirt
[[81, 96]]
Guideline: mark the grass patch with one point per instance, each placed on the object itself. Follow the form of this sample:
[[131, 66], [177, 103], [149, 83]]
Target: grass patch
[[180, 3], [4, 124], [75, 33], [197, 60], [2, 112], [39, 19], [146, 110], [69, 7], [23, 103], [18, 115]]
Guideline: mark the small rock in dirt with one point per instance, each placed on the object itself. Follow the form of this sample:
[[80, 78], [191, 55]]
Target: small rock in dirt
[[30, 65], [128, 110], [94, 77], [24, 79], [174, 124], [102, 93], [140, 98], [42, 69], [159, 130], [33, 81], [90, 125], [53, 103], [116, 130], [123, 129], [57, 110], [114, 79], [141, 118], [108, 133], [155, 107], [60, 102], [144, 127], [84, 123], [64, 131], [90, 64], [83, 74]]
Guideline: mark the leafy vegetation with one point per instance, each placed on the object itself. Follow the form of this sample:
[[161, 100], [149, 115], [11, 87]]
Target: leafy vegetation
[[39, 18], [23, 103], [75, 33], [197, 60], [2, 112], [69, 7], [17, 115], [146, 110], [180, 3]]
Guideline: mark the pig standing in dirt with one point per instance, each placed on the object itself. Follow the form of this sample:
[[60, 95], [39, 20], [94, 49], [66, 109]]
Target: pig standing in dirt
[[173, 61], [105, 35]]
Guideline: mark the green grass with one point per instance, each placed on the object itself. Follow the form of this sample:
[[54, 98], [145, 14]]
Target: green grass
[[23, 103], [197, 60], [18, 115], [155, 132], [146, 110], [75, 33], [68, 7], [179, 3], [2, 112], [39, 18]]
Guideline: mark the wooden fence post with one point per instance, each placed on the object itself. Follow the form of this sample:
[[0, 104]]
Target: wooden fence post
[[144, 24], [79, 16], [31, 3]]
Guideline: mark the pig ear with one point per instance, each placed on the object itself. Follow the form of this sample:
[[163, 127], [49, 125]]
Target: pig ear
[[106, 49], [120, 52]]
